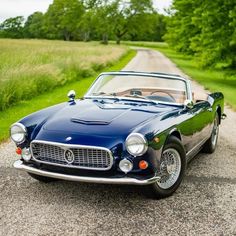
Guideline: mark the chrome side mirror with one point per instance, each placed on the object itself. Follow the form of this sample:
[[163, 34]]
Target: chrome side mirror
[[71, 95], [188, 104]]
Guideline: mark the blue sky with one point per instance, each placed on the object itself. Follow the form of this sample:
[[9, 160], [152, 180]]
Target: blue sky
[[12, 8]]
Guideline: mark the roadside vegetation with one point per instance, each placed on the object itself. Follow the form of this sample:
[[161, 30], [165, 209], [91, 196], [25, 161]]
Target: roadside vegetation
[[31, 67], [57, 95], [204, 29], [85, 20], [213, 79]]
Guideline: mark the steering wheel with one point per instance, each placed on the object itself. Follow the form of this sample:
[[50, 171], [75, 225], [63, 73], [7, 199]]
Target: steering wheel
[[169, 95]]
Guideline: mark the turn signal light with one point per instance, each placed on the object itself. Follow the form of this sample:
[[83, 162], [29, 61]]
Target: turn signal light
[[157, 139], [143, 165], [19, 151]]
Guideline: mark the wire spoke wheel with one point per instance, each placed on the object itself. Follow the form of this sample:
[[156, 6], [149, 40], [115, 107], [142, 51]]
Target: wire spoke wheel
[[170, 167]]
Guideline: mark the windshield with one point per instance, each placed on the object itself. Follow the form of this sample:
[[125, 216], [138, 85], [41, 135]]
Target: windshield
[[171, 90]]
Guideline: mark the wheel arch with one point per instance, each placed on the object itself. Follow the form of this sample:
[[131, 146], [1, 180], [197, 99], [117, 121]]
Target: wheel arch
[[174, 132]]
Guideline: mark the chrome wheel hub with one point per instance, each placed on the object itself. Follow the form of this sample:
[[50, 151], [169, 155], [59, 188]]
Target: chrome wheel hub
[[170, 167]]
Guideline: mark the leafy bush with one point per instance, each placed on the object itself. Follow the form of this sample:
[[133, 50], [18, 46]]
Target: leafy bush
[[205, 29]]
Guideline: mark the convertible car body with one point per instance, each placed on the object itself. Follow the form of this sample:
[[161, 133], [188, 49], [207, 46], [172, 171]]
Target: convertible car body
[[129, 128]]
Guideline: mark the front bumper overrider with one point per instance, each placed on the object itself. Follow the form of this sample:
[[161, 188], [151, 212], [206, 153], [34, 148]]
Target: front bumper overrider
[[124, 180]]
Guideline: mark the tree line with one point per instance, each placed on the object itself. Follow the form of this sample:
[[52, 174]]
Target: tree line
[[87, 20], [205, 29]]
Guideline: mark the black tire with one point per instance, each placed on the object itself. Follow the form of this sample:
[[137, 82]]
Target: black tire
[[42, 179], [154, 190], [210, 144]]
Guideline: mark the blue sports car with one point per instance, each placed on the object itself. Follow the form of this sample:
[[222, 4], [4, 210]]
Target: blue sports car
[[129, 128]]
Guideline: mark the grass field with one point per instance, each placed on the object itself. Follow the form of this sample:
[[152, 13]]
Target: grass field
[[212, 79], [31, 67], [57, 95]]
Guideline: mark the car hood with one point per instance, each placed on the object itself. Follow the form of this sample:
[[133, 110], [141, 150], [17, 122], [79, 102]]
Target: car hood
[[99, 119]]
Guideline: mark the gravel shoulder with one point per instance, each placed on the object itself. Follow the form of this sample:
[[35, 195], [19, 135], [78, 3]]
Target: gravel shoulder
[[205, 203]]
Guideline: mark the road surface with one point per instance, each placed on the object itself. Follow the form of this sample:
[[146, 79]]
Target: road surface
[[205, 203]]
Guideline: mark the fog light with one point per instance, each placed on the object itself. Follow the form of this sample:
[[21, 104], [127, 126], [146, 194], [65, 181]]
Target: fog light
[[126, 165], [143, 165], [26, 154], [18, 151]]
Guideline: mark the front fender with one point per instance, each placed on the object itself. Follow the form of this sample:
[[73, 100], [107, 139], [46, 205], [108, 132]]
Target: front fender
[[216, 101], [34, 121]]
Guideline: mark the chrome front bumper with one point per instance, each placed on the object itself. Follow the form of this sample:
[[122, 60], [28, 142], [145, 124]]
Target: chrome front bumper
[[132, 181]]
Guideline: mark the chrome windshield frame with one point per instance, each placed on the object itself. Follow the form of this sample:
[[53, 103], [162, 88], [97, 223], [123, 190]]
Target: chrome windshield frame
[[147, 74]]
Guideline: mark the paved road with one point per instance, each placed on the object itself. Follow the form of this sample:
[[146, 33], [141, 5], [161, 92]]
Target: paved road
[[205, 203]]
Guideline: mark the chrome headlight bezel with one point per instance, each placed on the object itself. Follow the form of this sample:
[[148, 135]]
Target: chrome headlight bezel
[[136, 139], [20, 130]]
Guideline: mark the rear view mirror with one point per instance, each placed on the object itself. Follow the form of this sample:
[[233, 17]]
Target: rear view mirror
[[71, 95], [188, 104]]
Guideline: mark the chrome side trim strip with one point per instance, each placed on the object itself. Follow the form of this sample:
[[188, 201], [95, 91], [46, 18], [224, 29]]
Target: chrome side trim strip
[[188, 154], [132, 181], [66, 146]]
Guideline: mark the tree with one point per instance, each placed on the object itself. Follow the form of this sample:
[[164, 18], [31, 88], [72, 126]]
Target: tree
[[205, 29], [129, 16], [62, 17], [34, 26], [213, 43], [232, 42], [12, 27], [93, 20], [100, 11], [87, 25], [180, 28], [154, 32], [103, 26], [120, 17]]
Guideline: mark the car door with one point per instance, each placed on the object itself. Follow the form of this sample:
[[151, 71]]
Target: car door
[[195, 125], [202, 121]]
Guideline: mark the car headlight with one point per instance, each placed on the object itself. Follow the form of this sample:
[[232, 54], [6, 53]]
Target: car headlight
[[136, 144], [18, 133]]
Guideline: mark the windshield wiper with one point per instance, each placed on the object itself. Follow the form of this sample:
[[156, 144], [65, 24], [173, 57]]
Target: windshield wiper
[[132, 96], [142, 97], [105, 94]]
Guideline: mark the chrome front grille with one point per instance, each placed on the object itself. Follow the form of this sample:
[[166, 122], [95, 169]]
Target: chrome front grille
[[83, 157]]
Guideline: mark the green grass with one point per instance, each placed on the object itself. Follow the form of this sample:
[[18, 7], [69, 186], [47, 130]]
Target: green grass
[[57, 95], [145, 44], [32, 67], [212, 79]]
